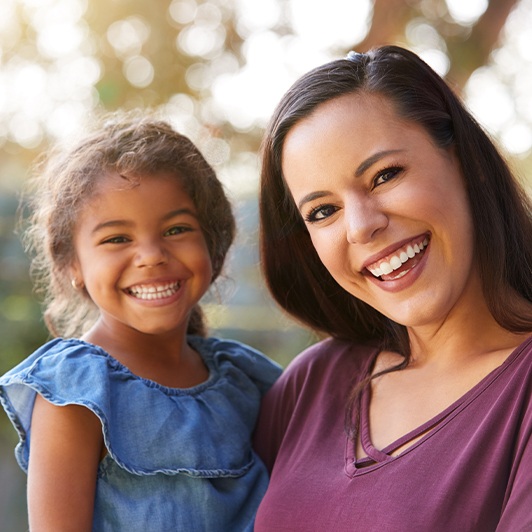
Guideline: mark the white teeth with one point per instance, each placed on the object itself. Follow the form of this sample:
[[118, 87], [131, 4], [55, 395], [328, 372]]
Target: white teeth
[[386, 268], [377, 273], [154, 292], [399, 275], [396, 261]]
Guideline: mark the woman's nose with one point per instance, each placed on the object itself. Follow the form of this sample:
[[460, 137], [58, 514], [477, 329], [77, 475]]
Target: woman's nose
[[150, 254], [364, 219]]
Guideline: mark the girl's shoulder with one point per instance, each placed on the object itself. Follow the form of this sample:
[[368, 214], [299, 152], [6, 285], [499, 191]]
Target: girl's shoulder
[[137, 414], [63, 365], [58, 363], [64, 372], [229, 357]]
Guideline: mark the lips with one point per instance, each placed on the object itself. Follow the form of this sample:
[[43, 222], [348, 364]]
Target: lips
[[400, 262], [151, 292]]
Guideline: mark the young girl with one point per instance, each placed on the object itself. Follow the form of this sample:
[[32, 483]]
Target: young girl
[[135, 420]]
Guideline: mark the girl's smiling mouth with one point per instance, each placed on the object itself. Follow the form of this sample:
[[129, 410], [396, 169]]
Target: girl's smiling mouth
[[153, 291], [400, 262]]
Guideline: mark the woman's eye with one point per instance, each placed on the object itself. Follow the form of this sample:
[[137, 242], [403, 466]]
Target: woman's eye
[[320, 213], [386, 175]]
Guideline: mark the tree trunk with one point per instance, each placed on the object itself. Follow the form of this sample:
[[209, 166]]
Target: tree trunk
[[467, 48]]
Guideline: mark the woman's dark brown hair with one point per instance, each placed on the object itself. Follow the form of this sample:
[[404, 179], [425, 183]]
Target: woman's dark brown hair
[[501, 211], [133, 146]]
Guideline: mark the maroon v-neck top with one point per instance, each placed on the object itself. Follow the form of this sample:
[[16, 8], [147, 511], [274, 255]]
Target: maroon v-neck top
[[471, 470]]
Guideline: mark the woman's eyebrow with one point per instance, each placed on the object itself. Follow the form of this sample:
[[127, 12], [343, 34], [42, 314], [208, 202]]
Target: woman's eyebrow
[[370, 161], [310, 197], [362, 167]]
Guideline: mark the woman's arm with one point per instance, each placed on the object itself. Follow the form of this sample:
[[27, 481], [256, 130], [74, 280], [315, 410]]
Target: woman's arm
[[66, 446]]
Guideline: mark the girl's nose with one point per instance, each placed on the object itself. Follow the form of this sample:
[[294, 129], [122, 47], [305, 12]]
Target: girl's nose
[[150, 254], [364, 219]]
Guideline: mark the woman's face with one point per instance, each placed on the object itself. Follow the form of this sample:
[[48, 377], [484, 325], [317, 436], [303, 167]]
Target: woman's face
[[386, 209]]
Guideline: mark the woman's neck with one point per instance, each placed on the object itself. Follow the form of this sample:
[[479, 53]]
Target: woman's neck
[[461, 338]]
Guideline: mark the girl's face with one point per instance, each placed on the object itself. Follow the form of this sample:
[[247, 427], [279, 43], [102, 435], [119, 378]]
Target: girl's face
[[141, 254], [385, 208]]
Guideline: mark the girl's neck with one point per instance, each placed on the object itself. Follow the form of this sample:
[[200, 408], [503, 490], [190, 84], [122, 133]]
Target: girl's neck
[[166, 359]]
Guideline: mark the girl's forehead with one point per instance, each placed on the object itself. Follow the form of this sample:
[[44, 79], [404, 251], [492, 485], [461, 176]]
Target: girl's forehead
[[133, 178], [157, 189], [114, 181]]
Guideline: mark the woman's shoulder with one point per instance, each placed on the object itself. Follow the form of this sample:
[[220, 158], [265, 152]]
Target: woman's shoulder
[[525, 347], [520, 360], [333, 355], [327, 363]]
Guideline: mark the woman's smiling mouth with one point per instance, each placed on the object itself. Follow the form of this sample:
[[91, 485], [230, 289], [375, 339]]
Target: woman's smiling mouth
[[400, 262], [151, 292]]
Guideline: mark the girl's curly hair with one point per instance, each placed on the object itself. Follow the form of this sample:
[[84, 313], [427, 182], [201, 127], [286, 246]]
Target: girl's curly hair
[[132, 146]]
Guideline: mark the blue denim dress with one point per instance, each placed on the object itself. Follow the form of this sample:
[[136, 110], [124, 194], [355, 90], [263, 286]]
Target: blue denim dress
[[178, 459]]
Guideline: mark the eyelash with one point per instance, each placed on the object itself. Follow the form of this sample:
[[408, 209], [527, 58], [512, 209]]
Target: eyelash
[[115, 240], [311, 217], [386, 175], [173, 231], [180, 229]]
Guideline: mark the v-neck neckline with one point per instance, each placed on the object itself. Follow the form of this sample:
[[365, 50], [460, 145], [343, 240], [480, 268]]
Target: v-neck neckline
[[377, 457]]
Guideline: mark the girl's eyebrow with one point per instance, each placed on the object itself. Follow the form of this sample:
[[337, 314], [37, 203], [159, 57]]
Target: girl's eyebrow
[[128, 223], [179, 212], [110, 223]]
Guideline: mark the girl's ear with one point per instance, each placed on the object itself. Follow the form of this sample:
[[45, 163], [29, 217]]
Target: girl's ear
[[76, 277]]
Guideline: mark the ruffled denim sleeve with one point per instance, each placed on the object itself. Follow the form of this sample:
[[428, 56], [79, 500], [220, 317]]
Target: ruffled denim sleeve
[[149, 428]]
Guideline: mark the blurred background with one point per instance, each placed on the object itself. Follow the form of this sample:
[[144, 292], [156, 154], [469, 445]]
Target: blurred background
[[215, 69]]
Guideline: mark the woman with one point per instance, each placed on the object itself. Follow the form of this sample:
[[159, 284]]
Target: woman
[[392, 224]]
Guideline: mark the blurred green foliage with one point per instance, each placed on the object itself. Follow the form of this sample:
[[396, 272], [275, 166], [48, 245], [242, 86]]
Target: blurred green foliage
[[21, 328]]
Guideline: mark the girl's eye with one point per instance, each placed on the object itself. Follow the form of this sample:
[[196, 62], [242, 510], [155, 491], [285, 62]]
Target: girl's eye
[[115, 240], [386, 175], [177, 230], [321, 212]]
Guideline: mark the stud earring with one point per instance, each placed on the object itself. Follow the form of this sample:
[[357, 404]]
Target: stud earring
[[74, 284]]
